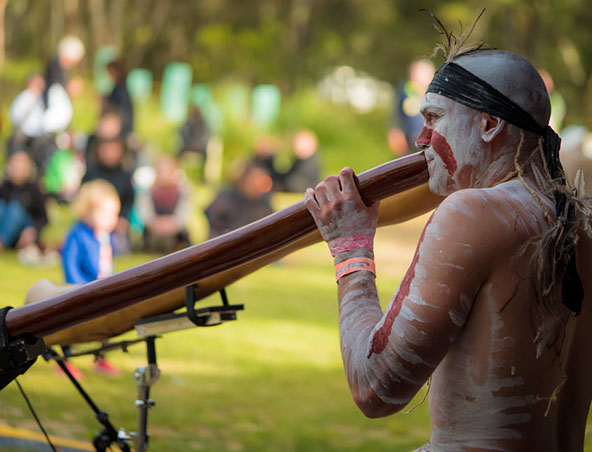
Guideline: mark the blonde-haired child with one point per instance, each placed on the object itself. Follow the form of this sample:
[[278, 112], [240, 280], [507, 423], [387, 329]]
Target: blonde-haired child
[[89, 246], [87, 252]]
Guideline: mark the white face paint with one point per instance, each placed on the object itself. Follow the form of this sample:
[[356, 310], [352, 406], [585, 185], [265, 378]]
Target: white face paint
[[457, 156]]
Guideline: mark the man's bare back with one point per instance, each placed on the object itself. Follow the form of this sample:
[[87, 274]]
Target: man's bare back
[[491, 392]]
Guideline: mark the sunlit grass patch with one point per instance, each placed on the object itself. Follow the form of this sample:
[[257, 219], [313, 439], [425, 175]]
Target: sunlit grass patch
[[272, 380]]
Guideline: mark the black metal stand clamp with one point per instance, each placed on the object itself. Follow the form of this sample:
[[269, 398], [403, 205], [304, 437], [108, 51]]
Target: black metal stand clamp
[[16, 355], [212, 315], [191, 317]]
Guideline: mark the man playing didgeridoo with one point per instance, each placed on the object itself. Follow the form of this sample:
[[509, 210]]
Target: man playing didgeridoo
[[496, 305]]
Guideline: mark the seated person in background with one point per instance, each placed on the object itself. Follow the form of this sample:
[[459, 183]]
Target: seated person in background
[[266, 149], [22, 205], [89, 246], [305, 171], [36, 122], [241, 204], [109, 127], [110, 155], [165, 208]]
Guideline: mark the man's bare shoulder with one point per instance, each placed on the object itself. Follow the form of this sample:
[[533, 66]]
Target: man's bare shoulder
[[497, 217], [474, 206]]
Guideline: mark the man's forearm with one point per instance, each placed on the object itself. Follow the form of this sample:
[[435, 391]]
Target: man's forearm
[[359, 312], [382, 383]]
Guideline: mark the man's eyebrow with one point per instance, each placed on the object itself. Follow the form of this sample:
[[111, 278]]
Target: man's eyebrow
[[431, 108]]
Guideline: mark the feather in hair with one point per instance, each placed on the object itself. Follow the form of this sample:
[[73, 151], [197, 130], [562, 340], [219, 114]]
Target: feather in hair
[[453, 46]]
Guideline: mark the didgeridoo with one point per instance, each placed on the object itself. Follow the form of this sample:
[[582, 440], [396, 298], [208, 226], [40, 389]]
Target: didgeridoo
[[117, 302]]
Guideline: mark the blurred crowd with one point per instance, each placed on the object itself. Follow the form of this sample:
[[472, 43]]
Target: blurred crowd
[[122, 198], [46, 162]]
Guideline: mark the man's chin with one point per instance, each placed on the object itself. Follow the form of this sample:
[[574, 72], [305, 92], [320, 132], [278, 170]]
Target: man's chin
[[438, 186]]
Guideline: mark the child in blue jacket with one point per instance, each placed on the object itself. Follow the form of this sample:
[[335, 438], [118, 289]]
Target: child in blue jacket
[[88, 250], [89, 246]]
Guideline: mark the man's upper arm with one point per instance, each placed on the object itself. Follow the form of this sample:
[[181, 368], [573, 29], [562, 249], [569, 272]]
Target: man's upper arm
[[453, 259]]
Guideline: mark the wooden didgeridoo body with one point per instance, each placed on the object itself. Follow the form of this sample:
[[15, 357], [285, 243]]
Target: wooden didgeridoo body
[[117, 302], [395, 209]]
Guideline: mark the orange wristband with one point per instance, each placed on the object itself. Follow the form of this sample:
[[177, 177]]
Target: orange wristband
[[355, 264]]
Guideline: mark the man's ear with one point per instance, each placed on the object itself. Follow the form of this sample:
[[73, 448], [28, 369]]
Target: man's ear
[[491, 126]]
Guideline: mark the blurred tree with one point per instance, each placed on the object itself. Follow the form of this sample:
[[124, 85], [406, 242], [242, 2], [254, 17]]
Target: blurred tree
[[3, 4], [294, 42]]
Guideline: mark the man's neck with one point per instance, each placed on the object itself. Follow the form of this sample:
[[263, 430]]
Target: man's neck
[[505, 166]]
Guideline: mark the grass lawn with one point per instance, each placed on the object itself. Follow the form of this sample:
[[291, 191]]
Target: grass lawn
[[272, 380]]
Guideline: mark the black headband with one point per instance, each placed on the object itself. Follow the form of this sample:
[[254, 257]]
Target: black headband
[[455, 82]]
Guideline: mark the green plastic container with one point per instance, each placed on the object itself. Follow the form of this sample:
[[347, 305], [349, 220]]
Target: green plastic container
[[175, 91], [266, 102], [139, 84]]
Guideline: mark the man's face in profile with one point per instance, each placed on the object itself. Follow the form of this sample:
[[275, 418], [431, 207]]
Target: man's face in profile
[[450, 140]]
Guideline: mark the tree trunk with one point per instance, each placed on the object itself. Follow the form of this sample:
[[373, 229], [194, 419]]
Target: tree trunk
[[116, 21], [100, 33], [72, 10], [3, 4]]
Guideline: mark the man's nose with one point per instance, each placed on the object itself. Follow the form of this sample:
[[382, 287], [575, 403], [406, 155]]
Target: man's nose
[[424, 139]]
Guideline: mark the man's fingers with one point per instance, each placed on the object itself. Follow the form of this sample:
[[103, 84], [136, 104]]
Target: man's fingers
[[320, 193], [310, 201], [346, 177], [332, 186]]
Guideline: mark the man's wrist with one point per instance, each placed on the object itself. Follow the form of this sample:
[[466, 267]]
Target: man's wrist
[[351, 242], [339, 258]]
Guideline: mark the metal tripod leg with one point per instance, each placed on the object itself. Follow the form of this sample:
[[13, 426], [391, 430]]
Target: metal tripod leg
[[144, 378], [103, 440]]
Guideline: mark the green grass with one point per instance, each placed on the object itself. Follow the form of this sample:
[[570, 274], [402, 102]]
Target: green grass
[[270, 381]]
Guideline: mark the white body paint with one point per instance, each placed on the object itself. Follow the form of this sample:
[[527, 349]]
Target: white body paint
[[480, 398], [466, 413], [463, 313]]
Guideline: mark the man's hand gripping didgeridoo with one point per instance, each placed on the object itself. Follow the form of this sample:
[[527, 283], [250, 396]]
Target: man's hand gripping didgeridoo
[[338, 209]]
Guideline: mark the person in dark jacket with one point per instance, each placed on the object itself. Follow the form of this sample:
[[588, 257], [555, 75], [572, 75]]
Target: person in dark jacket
[[22, 204], [194, 134], [109, 127], [241, 204], [110, 167], [406, 121], [69, 53], [119, 99], [305, 171]]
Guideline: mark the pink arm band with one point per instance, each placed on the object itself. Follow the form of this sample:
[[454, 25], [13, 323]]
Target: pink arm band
[[355, 264], [352, 242]]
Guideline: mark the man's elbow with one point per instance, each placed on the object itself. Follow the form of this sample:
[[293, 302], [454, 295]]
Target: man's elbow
[[372, 406]]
